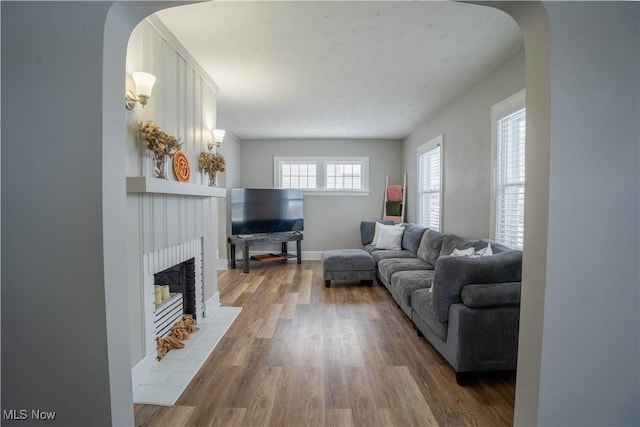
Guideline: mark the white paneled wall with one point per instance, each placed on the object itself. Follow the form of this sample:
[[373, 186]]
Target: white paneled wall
[[182, 103]]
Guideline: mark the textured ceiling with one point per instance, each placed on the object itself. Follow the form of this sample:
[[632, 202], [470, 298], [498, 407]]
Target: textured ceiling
[[339, 69]]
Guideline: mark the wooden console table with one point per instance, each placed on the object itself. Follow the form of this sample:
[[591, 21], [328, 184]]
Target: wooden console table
[[248, 240]]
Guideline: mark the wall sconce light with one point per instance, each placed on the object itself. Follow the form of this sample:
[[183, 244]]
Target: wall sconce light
[[216, 140], [144, 83]]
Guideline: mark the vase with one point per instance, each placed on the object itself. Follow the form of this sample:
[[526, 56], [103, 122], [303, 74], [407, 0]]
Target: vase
[[212, 179], [159, 165]]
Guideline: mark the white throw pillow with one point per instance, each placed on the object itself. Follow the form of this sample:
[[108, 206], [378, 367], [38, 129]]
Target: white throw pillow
[[463, 252], [376, 233], [472, 253], [483, 252], [390, 237]]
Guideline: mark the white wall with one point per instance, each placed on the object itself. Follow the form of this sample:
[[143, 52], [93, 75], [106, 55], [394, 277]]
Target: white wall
[[591, 317], [183, 103], [331, 222], [579, 336], [532, 19], [230, 149], [466, 127]]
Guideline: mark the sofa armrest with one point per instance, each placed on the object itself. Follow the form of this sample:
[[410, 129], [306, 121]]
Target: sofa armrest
[[491, 295], [453, 273]]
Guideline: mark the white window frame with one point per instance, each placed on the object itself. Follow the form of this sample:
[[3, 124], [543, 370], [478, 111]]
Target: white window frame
[[424, 149], [321, 171], [499, 111], [298, 163]]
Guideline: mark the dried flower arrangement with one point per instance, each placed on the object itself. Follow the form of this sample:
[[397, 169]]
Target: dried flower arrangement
[[211, 163], [160, 143]]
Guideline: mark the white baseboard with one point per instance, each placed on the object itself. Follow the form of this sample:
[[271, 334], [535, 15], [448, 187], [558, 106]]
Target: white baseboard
[[311, 255], [142, 370], [221, 264], [212, 303]]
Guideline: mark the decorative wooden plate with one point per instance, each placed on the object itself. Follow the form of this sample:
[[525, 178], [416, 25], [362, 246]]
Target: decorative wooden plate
[[181, 167]]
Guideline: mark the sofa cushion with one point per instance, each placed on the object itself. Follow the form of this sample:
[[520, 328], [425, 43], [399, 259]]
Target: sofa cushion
[[491, 295], [421, 307], [412, 237], [371, 248], [403, 283], [380, 254], [387, 267], [430, 246]]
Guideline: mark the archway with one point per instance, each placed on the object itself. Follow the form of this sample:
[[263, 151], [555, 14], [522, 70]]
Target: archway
[[123, 17]]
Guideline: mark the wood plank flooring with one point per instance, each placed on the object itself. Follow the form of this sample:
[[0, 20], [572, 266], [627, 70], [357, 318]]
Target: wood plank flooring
[[301, 354]]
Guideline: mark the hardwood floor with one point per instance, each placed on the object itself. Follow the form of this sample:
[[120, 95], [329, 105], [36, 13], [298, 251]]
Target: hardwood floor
[[301, 354]]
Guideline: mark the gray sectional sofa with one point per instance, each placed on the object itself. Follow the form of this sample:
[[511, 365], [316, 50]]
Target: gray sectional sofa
[[467, 307]]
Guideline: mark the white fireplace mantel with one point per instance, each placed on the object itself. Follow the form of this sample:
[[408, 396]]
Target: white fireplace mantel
[[142, 184]]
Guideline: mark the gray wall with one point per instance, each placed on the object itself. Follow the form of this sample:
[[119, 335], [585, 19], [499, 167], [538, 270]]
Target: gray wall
[[64, 308], [54, 351], [330, 221], [466, 127]]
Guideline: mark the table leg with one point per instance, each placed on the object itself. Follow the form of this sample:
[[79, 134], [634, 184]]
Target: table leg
[[245, 259], [232, 254]]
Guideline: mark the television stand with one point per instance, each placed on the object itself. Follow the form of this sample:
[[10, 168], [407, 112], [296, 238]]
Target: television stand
[[247, 240]]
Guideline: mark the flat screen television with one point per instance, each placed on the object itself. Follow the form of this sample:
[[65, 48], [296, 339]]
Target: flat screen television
[[266, 210]]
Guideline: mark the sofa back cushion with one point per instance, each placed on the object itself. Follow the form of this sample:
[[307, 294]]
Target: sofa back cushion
[[430, 246], [368, 229], [412, 237]]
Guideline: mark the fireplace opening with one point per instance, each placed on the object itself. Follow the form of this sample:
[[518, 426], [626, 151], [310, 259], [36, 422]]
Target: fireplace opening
[[181, 278]]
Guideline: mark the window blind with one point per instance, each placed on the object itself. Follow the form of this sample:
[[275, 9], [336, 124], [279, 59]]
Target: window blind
[[429, 166], [510, 179]]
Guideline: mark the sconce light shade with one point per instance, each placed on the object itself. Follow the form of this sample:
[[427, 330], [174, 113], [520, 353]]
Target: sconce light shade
[[216, 140], [218, 135], [144, 84]]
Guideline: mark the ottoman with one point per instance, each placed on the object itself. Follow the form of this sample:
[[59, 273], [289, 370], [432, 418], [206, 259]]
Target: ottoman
[[348, 264]]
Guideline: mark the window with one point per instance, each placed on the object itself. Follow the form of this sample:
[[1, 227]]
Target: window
[[509, 121], [298, 175], [344, 176], [323, 175], [430, 184]]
